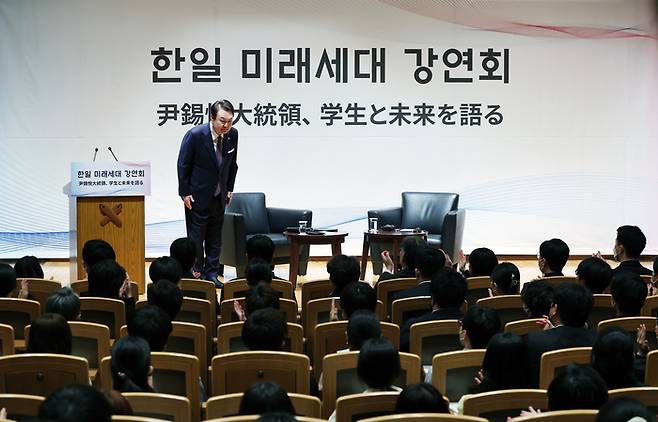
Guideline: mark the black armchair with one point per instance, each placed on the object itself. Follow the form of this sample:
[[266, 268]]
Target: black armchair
[[246, 216], [438, 213]]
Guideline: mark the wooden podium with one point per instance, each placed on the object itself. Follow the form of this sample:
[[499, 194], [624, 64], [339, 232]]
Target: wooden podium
[[107, 202]]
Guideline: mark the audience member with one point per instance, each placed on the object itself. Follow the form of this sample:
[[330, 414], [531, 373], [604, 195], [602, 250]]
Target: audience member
[[64, 302], [428, 262], [108, 279], [263, 397], [478, 326], [362, 326], [553, 256], [357, 296], [265, 329], [258, 270], [7, 280], [95, 251], [183, 250], [624, 409], [131, 366], [378, 365], [629, 292], [153, 325], [577, 387], [481, 263], [165, 268], [50, 333], [537, 298], [261, 246], [28, 267], [505, 279], [118, 403], [595, 274], [421, 398], [613, 358], [261, 296], [629, 244], [166, 295], [342, 270], [408, 248], [75, 403]]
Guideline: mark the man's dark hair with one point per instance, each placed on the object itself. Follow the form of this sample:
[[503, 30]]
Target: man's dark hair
[[76, 403], [378, 365], [7, 279], [153, 325], [260, 246], [166, 295], [166, 268], [258, 270], [555, 252], [481, 262], [577, 387], [538, 296], [356, 296], [265, 329], [184, 251], [28, 267], [362, 325], [263, 397], [613, 357], [106, 278], [629, 292], [421, 398], [50, 333], [623, 409], [261, 296], [574, 303], [343, 270], [481, 324], [221, 104], [632, 239], [410, 246], [64, 302], [428, 261], [448, 288], [96, 250], [595, 273]]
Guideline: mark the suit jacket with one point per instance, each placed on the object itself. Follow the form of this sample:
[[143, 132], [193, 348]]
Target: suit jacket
[[438, 315], [422, 289], [632, 266], [561, 337], [198, 169], [404, 272]]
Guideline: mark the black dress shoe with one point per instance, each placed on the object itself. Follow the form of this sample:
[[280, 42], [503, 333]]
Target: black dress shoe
[[218, 283]]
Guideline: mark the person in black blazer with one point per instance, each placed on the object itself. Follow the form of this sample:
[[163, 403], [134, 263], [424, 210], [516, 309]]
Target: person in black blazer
[[408, 250], [629, 244], [553, 256], [428, 262], [572, 304], [207, 166]]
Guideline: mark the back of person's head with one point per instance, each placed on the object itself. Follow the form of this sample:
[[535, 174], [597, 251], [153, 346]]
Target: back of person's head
[[555, 252], [265, 329], [258, 270], [481, 262], [378, 365], [448, 288], [480, 324], [613, 358], [625, 409], [28, 267], [76, 403], [343, 270], [166, 295], [96, 250], [632, 239], [276, 417], [537, 297], [263, 397], [106, 278], [595, 273], [260, 246], [428, 261], [7, 280], [363, 325], [421, 398], [261, 296], [118, 403], [50, 333], [574, 303], [629, 293], [356, 296], [65, 302], [183, 250], [131, 365], [577, 387], [153, 325], [505, 363], [506, 279], [165, 268], [409, 248]]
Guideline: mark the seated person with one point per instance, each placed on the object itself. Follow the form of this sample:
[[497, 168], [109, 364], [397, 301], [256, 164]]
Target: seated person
[[357, 296], [342, 270], [481, 263], [421, 398], [165, 268], [408, 248], [478, 326], [153, 325], [629, 244], [505, 279], [28, 267], [94, 251], [629, 292], [166, 295], [595, 274], [624, 409], [428, 262], [8, 283], [108, 279], [265, 329], [65, 302], [75, 403], [553, 256], [613, 357], [258, 270], [131, 366], [263, 397], [261, 246], [183, 250], [362, 326], [537, 298], [50, 333], [448, 292]]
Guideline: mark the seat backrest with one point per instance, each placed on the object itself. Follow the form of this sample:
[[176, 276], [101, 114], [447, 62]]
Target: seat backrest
[[631, 324], [411, 307], [453, 372], [497, 406], [560, 416], [229, 338], [229, 405], [239, 288], [252, 418], [199, 311], [177, 374], [21, 406], [40, 374], [354, 407], [227, 309], [426, 339], [108, 312], [651, 370], [235, 372], [252, 206], [477, 288], [40, 288], [554, 361], [387, 288], [82, 286], [509, 307], [317, 289], [424, 417], [648, 396], [199, 289], [190, 339], [90, 341], [524, 326], [602, 309], [6, 340], [18, 313], [160, 406], [427, 210], [650, 307], [559, 279]]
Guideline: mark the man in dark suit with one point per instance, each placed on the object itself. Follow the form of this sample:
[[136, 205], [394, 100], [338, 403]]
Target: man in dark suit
[[629, 244], [572, 304], [553, 256], [408, 249], [448, 294], [207, 165], [428, 261]]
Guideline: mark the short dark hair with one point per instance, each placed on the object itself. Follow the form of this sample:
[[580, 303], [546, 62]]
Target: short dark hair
[[184, 250], [76, 403], [410, 246], [65, 302], [378, 365], [343, 270], [577, 387], [481, 262], [356, 296], [623, 409], [507, 278], [629, 292], [106, 278], [131, 364], [505, 364], [166, 268], [261, 296], [481, 323], [448, 288], [428, 261], [258, 270], [263, 397], [96, 250], [223, 104], [555, 252], [362, 325], [538, 296], [595, 273], [574, 303], [50, 333], [28, 267], [421, 398], [632, 239], [153, 325], [260, 246], [7, 279], [613, 358], [265, 329], [166, 295]]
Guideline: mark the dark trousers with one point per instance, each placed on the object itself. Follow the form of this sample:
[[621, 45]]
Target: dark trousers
[[205, 228]]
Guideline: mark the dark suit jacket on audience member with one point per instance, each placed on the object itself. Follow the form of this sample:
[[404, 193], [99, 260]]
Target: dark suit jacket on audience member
[[422, 289], [404, 272], [632, 266], [438, 315]]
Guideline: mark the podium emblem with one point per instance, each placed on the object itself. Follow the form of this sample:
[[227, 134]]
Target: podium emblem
[[110, 214]]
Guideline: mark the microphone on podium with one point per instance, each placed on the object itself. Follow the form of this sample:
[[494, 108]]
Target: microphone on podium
[[112, 152], [95, 152]]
